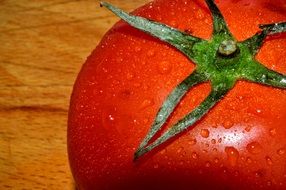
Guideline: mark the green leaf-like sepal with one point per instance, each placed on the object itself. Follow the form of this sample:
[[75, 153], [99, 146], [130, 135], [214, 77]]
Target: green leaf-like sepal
[[275, 28], [219, 24], [170, 103], [181, 40], [255, 42], [258, 73], [215, 96]]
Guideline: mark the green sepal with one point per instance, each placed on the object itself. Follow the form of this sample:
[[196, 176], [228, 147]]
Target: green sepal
[[170, 103], [219, 24], [274, 28], [258, 73], [255, 42], [181, 40], [190, 119]]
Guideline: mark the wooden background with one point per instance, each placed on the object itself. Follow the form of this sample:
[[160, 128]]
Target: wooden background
[[43, 44]]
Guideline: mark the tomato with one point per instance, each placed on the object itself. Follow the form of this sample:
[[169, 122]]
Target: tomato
[[239, 144]]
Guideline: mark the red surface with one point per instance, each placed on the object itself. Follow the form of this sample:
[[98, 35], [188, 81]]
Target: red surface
[[240, 144]]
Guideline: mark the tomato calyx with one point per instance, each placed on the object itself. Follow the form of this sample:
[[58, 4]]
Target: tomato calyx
[[221, 60]]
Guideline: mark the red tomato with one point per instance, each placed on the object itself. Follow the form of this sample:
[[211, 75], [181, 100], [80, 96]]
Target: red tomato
[[239, 144]]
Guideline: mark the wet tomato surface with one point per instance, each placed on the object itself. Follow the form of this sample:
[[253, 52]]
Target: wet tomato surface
[[239, 144]]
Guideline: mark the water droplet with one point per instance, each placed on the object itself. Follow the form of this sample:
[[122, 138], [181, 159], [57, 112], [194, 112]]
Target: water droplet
[[207, 21], [129, 76], [119, 60], [227, 124], [150, 53], [110, 117], [213, 141], [180, 150], [224, 170], [232, 155], [215, 125], [146, 103], [200, 15], [273, 132], [174, 24], [205, 133], [163, 151], [248, 128], [281, 151], [268, 160], [248, 160], [138, 49], [256, 111], [137, 84], [164, 67], [192, 141], [269, 183], [100, 91], [216, 160], [283, 81], [259, 173], [195, 155], [125, 94], [254, 148], [188, 31], [104, 70], [145, 121], [208, 164]]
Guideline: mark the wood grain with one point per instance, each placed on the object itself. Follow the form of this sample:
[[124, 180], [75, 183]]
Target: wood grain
[[43, 45]]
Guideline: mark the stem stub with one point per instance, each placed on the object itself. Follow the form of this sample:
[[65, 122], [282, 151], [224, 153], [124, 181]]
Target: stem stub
[[227, 48]]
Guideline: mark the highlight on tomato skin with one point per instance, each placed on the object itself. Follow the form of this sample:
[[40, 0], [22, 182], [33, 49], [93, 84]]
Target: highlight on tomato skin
[[239, 144]]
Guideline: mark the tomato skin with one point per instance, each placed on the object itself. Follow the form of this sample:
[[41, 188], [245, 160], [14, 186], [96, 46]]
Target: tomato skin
[[240, 144]]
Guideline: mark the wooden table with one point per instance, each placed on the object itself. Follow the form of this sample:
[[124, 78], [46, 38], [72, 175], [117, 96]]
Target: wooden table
[[43, 44]]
